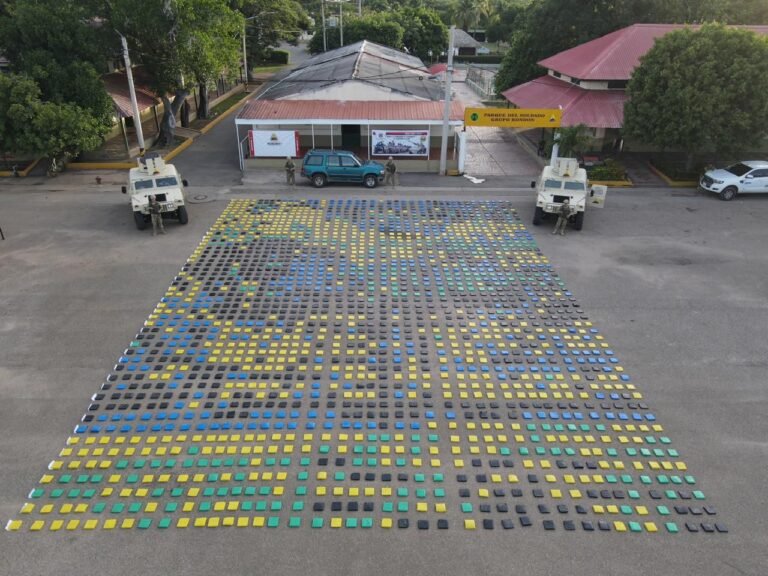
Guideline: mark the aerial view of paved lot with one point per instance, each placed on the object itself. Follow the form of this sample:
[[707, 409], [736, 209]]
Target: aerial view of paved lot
[[350, 382]]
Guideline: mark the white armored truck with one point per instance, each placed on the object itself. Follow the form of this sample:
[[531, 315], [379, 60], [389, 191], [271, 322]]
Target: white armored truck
[[153, 177], [564, 179]]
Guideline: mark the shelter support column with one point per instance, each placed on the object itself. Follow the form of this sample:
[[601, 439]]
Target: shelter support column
[[462, 148]]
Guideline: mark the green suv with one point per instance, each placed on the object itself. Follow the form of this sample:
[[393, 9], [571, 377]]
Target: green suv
[[322, 166]]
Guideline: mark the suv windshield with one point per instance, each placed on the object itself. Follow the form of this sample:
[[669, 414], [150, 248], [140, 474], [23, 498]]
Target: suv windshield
[[738, 169], [167, 181]]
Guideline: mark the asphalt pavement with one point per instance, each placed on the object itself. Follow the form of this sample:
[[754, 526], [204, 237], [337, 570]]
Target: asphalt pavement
[[671, 278]]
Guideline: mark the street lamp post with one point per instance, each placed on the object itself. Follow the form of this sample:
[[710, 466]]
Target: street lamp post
[[132, 91], [341, 21], [245, 57], [447, 108], [322, 12]]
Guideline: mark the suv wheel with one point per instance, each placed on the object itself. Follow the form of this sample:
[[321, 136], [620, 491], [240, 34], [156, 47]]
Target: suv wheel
[[729, 193], [370, 181], [318, 180]]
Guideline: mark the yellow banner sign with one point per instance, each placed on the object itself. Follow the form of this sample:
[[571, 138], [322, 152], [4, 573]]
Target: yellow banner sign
[[513, 117]]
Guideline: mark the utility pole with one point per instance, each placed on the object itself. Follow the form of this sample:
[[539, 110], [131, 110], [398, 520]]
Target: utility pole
[[359, 7], [322, 11], [245, 59], [132, 90], [341, 25], [447, 109]]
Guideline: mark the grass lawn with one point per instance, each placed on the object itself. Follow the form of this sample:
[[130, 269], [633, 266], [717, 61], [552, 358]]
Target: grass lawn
[[267, 69]]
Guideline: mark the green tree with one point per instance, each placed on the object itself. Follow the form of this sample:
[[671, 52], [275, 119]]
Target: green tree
[[466, 14], [58, 45], [29, 125], [271, 22], [18, 95], [505, 19], [180, 43], [724, 11], [701, 91], [573, 140], [375, 27], [569, 23], [423, 31]]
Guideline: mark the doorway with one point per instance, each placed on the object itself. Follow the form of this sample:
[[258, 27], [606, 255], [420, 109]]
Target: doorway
[[350, 136]]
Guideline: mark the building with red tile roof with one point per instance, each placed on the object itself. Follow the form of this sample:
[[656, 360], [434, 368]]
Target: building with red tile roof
[[350, 98], [589, 81]]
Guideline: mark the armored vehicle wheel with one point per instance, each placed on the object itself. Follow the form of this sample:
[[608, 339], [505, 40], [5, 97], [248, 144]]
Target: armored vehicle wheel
[[538, 216], [139, 219], [183, 216], [578, 221]]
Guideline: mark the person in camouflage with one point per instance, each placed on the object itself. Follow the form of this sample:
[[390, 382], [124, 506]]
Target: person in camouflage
[[389, 172], [290, 172], [156, 214], [562, 218]]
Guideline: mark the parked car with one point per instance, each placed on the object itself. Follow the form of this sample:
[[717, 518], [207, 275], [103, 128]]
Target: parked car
[[750, 176], [322, 166]]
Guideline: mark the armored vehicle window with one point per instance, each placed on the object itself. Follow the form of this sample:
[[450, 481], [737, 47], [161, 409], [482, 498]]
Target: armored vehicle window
[[553, 184], [167, 181], [574, 185], [143, 184]]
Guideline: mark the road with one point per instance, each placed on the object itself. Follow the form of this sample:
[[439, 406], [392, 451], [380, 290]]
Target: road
[[670, 278]]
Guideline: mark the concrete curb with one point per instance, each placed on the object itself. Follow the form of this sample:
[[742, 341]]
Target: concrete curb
[[169, 156], [672, 183], [24, 173], [205, 129]]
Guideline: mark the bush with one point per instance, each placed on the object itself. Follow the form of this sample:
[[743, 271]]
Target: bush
[[611, 170], [275, 57]]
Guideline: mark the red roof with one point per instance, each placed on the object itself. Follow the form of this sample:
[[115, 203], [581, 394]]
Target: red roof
[[595, 108], [615, 55], [437, 68], [116, 85], [347, 110]]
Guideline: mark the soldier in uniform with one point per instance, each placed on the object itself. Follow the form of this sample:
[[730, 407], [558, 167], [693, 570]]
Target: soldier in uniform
[[562, 218], [389, 172], [156, 213], [290, 172]]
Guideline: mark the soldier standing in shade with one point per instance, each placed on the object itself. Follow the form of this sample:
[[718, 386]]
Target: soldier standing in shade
[[290, 172], [562, 218], [389, 172], [156, 213]]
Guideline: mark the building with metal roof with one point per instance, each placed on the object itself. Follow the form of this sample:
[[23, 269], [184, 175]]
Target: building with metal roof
[[364, 97], [369, 71], [589, 81]]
